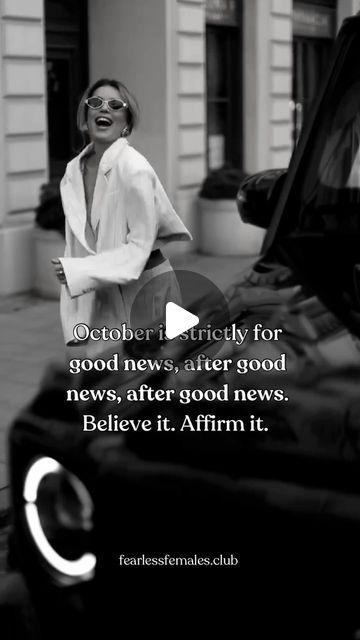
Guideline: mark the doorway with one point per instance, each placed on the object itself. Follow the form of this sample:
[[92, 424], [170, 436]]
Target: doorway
[[314, 27], [67, 77], [224, 97]]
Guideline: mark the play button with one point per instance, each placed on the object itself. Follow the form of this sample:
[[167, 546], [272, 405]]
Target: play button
[[181, 309], [178, 320]]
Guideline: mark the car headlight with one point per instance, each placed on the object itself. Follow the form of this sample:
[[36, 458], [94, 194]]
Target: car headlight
[[58, 513]]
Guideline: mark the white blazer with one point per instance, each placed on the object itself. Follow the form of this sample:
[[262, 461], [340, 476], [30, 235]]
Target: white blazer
[[131, 215]]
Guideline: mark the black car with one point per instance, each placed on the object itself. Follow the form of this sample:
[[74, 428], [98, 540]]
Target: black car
[[283, 502]]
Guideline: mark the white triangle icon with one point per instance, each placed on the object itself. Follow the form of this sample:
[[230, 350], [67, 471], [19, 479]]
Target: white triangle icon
[[178, 320]]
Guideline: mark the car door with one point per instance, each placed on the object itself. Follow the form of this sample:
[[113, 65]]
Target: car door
[[316, 223]]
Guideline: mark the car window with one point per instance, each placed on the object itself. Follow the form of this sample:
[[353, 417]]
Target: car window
[[330, 188], [335, 178]]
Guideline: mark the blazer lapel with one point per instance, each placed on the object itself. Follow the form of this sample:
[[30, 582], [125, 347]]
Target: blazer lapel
[[111, 155], [73, 195], [108, 160]]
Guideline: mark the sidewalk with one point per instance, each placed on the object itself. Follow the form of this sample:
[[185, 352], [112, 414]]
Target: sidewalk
[[31, 338]]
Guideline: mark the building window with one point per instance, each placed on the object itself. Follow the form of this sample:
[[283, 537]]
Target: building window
[[223, 84]]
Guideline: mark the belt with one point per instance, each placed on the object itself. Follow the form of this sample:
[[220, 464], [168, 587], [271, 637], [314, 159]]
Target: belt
[[155, 258]]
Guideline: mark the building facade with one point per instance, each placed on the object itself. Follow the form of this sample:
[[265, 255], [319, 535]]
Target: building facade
[[214, 80]]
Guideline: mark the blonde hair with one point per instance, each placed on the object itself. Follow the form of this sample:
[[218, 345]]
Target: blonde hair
[[132, 109]]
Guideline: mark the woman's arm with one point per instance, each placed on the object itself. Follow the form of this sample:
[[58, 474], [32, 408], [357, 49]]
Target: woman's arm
[[126, 262]]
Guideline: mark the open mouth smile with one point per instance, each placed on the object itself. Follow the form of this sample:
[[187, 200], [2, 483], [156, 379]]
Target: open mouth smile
[[103, 122]]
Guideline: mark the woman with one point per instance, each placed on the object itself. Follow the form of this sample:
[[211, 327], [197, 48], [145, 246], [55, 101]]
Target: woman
[[117, 218]]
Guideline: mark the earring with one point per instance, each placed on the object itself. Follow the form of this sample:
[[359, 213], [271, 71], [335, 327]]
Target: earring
[[125, 132]]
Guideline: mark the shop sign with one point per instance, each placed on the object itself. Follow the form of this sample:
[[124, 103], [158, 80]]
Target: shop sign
[[222, 12], [313, 21]]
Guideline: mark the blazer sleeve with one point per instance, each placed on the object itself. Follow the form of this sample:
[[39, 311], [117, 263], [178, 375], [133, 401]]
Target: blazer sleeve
[[126, 262]]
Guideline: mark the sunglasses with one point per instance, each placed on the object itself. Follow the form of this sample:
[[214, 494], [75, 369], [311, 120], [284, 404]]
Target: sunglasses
[[114, 104]]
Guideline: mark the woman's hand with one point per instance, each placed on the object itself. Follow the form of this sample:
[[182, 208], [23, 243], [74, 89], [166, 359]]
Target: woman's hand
[[59, 271]]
